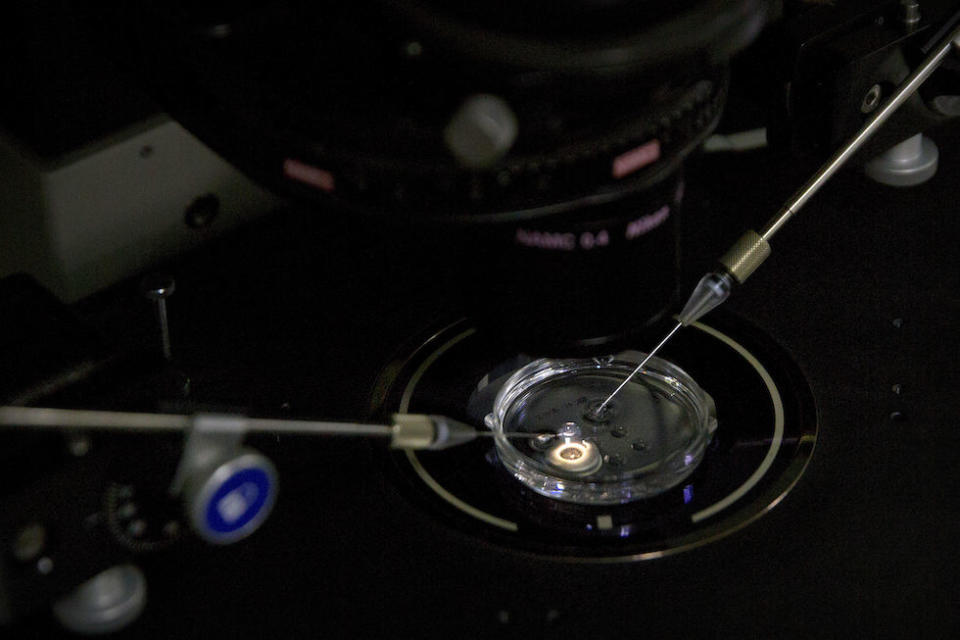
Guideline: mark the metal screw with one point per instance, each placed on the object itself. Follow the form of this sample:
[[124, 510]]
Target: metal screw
[[158, 288], [872, 100], [45, 565], [30, 542], [202, 211], [897, 389]]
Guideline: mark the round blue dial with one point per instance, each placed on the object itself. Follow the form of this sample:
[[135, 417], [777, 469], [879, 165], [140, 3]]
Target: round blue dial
[[238, 500]]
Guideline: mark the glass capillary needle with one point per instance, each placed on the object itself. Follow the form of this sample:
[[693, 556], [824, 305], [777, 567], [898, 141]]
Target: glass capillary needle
[[750, 251], [599, 410]]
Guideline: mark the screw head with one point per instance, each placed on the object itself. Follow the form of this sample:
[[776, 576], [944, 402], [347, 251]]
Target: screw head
[[45, 565], [202, 211], [872, 99]]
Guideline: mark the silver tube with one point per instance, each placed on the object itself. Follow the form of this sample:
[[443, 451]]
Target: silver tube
[[903, 92], [34, 417], [308, 427], [88, 419]]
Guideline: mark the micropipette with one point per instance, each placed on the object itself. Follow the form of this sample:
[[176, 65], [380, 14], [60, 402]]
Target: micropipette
[[753, 248], [411, 431]]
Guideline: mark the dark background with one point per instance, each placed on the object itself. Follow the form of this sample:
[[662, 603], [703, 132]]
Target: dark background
[[297, 314], [862, 291]]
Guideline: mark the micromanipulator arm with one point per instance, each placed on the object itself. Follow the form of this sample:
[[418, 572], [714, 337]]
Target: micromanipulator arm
[[753, 248]]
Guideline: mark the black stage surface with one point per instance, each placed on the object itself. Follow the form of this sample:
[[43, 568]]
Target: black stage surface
[[298, 314]]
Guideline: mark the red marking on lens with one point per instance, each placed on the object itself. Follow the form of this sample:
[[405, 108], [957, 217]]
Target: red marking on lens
[[308, 174], [626, 163]]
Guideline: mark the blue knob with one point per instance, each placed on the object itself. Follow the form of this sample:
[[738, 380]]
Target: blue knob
[[230, 501]]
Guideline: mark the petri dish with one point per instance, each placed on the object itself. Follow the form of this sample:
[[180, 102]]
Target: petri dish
[[647, 440]]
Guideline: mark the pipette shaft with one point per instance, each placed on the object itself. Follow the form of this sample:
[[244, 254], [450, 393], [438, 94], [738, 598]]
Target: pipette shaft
[[408, 431], [753, 248], [873, 123]]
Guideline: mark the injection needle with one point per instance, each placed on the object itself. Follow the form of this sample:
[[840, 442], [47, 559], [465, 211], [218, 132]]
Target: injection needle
[[599, 410], [753, 248]]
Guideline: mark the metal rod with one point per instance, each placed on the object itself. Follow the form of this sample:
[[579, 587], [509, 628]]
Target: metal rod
[[901, 95], [603, 405], [317, 427], [164, 329], [42, 418], [88, 419], [127, 421]]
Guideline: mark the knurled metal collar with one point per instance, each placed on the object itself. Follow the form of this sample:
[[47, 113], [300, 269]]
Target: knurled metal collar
[[745, 255]]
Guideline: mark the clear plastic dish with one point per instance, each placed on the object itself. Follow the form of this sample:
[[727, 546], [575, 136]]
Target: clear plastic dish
[[646, 441]]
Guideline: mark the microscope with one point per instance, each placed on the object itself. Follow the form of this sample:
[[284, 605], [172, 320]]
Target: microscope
[[486, 214]]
